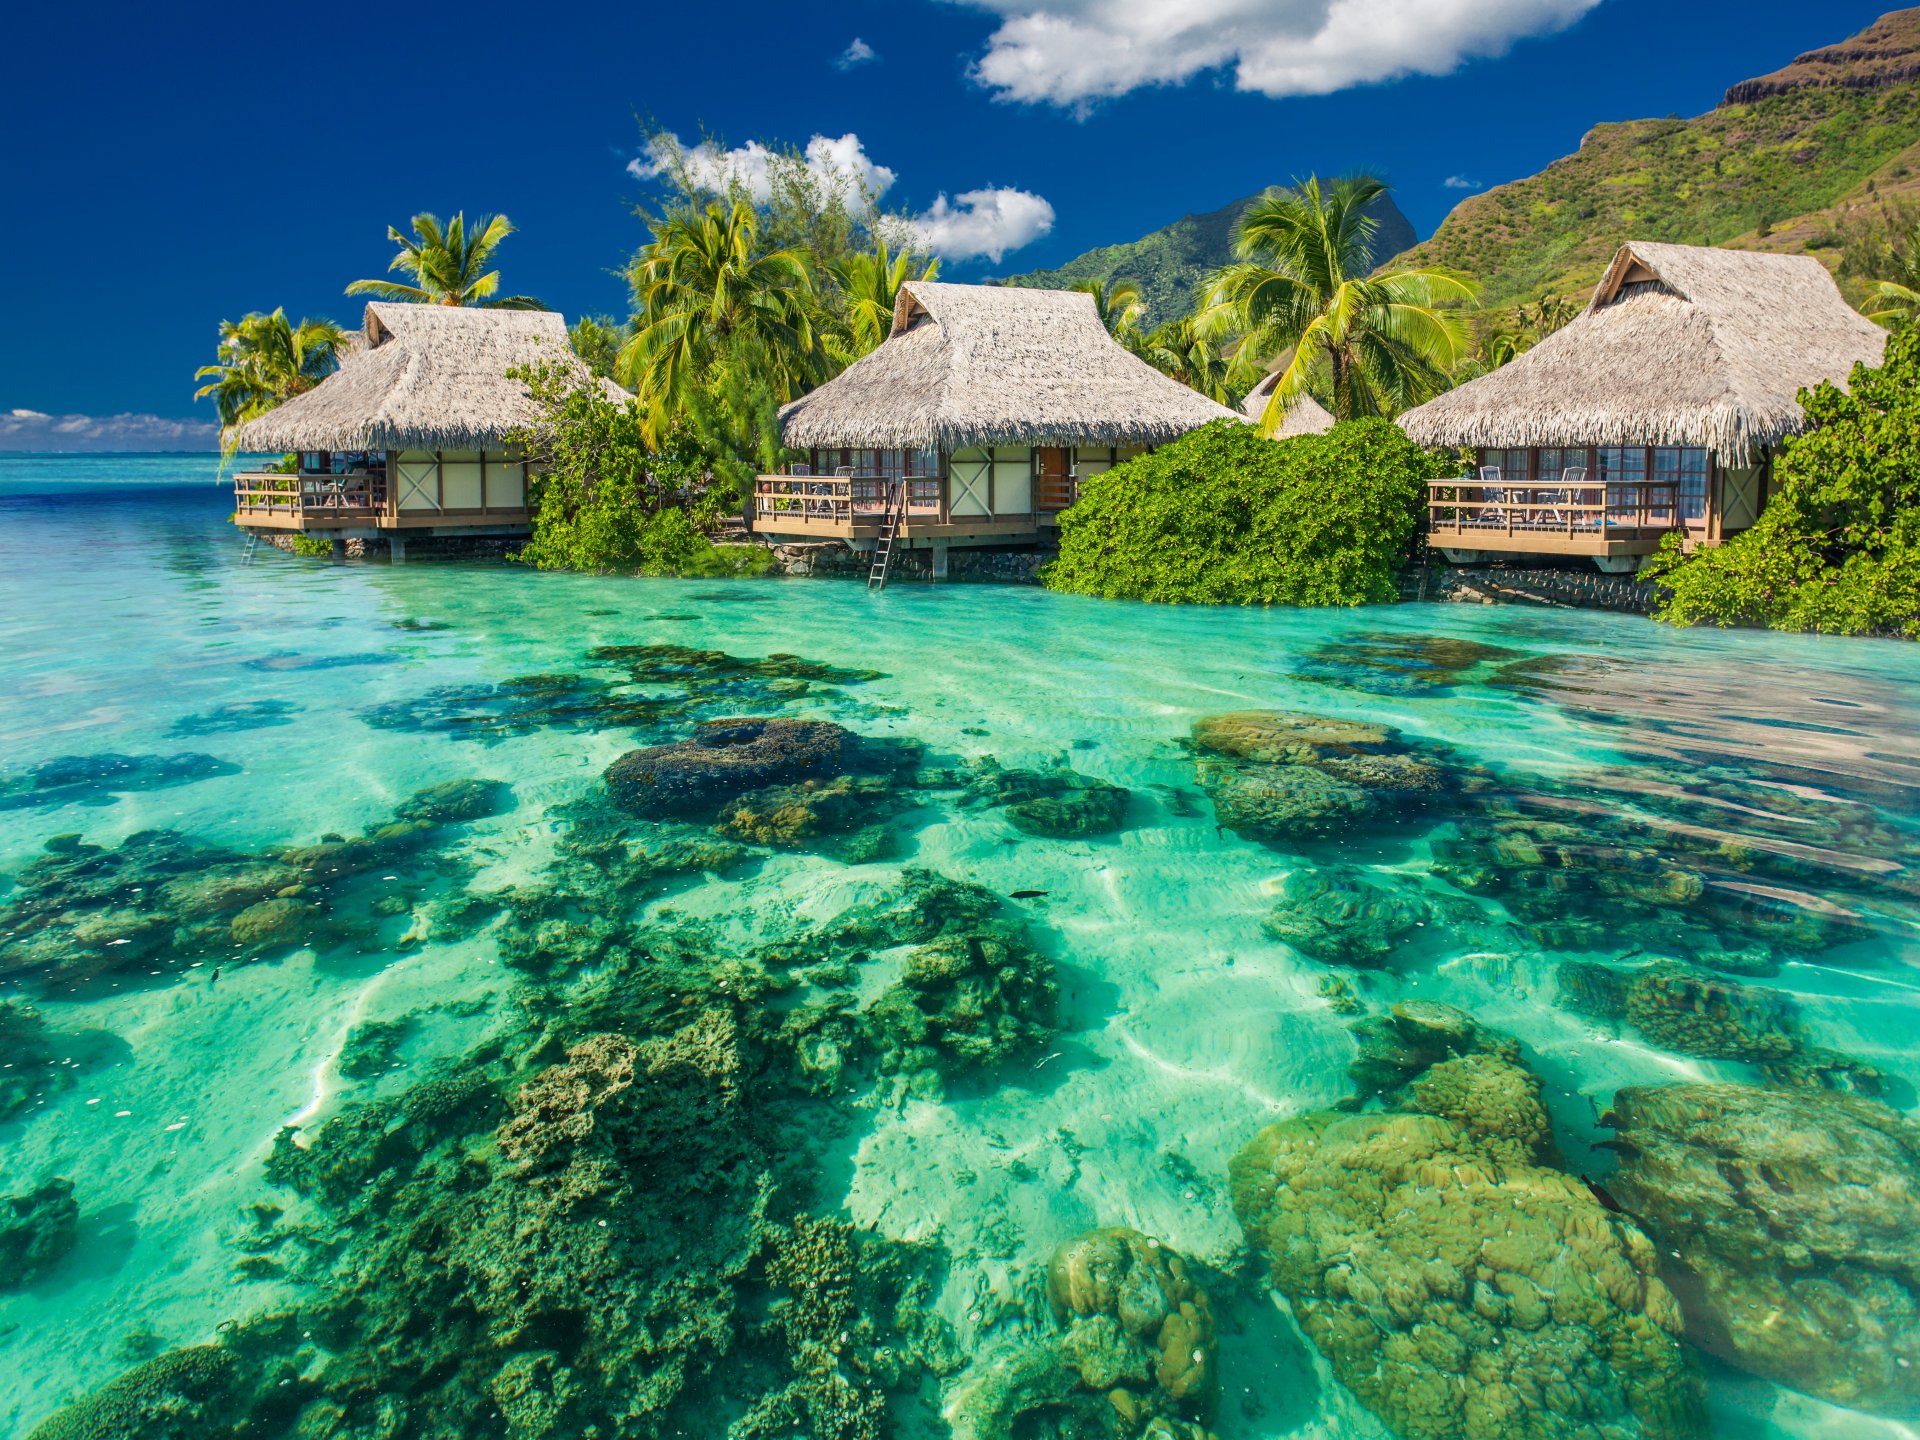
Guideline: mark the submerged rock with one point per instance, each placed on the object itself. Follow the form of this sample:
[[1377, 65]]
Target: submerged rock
[[182, 1395], [1337, 917], [1133, 1359], [1410, 664], [36, 1229], [1396, 1048], [1057, 804], [1277, 776], [1792, 1219], [237, 715], [1691, 1013], [1458, 1285], [29, 1068], [101, 779], [684, 664], [453, 802], [723, 761]]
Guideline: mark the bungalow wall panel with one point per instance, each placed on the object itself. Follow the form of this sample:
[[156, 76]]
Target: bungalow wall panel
[[970, 483], [506, 483], [416, 481], [460, 480], [1012, 480]]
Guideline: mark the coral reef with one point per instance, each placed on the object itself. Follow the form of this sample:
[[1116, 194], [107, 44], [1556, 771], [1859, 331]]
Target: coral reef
[[1398, 1047], [1056, 804], [1410, 664], [1461, 1288], [965, 1001], [1277, 776], [101, 779], [844, 817], [1691, 1012], [236, 715], [29, 1067], [1133, 1358], [454, 802], [1335, 916], [724, 760], [372, 1047], [698, 680], [181, 1395], [1792, 1219], [36, 1229], [162, 902]]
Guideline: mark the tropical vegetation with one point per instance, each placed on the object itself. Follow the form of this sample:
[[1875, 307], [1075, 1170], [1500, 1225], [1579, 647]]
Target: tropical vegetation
[[1364, 344], [1225, 517], [264, 361], [1837, 548], [609, 497], [448, 264]]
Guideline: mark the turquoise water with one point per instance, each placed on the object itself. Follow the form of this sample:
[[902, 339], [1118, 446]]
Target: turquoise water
[[1742, 809]]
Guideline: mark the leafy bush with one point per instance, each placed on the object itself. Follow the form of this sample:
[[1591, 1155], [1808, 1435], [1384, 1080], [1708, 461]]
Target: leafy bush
[[1837, 549], [1223, 517], [605, 500]]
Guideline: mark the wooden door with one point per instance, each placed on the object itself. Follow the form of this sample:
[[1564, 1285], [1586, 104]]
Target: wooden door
[[1052, 486]]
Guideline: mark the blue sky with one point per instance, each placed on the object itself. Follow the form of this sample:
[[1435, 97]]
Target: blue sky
[[163, 171]]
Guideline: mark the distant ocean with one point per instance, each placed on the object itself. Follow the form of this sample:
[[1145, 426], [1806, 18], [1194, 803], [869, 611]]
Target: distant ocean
[[31, 472]]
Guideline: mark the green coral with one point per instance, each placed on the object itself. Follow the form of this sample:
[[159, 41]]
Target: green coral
[[1457, 1285], [1277, 776], [1133, 1358], [31, 1069], [372, 1046], [176, 1396], [1335, 916], [1059, 804], [36, 1229], [1793, 1218]]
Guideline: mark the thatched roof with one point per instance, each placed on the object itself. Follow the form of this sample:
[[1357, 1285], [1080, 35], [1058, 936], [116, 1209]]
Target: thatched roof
[[1305, 416], [969, 365], [1681, 345], [426, 377]]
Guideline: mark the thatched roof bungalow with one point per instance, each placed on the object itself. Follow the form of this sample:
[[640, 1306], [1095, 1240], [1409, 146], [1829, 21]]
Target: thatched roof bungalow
[[983, 410], [409, 434], [1656, 410]]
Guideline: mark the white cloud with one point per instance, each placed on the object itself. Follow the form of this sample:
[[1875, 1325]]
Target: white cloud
[[36, 430], [843, 162], [1075, 52], [1460, 182], [982, 224], [973, 225], [857, 54]]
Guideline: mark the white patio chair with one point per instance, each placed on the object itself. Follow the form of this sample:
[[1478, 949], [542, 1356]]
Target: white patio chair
[[1493, 497]]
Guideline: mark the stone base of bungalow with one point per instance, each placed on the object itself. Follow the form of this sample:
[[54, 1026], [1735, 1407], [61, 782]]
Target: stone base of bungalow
[[1012, 565]]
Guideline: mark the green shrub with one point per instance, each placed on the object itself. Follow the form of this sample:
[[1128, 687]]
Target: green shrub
[[1837, 549], [606, 500], [1223, 517], [311, 544]]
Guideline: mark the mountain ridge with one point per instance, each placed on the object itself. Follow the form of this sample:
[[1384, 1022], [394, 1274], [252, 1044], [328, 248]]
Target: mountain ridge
[[1170, 265]]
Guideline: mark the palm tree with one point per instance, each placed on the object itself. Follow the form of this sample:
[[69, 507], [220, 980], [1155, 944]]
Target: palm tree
[[1896, 296], [870, 284], [1370, 344], [1119, 305], [1178, 349], [448, 265], [264, 361], [705, 288]]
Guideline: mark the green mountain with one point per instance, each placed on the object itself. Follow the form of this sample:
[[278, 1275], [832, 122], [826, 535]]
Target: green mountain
[[1794, 161], [1171, 265]]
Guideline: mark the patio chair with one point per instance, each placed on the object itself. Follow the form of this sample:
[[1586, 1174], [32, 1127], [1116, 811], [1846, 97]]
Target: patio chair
[[1559, 502], [1493, 497]]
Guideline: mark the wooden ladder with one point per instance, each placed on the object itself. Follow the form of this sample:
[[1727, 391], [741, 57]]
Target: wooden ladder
[[889, 530]]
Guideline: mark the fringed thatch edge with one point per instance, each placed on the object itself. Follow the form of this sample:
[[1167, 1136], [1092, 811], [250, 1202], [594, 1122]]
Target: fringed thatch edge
[[1736, 435]]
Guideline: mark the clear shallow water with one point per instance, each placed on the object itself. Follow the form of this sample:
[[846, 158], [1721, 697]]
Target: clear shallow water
[[129, 617]]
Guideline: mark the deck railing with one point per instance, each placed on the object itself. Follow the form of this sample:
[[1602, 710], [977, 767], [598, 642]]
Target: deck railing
[[1621, 509], [343, 497], [1054, 493], [842, 499]]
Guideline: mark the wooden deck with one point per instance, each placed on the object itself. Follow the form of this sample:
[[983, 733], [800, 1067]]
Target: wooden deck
[[854, 508], [1602, 520], [323, 503]]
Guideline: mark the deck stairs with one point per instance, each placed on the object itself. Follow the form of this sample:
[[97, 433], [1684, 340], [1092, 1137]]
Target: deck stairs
[[889, 532]]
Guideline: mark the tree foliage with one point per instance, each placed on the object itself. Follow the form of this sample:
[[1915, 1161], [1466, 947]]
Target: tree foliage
[[1363, 344], [606, 497], [264, 361], [448, 264], [1225, 517], [1837, 549]]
